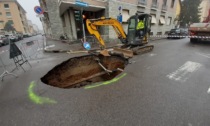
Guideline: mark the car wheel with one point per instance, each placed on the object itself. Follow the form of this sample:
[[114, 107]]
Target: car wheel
[[192, 40]]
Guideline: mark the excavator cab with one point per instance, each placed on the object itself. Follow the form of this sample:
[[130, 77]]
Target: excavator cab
[[133, 36]]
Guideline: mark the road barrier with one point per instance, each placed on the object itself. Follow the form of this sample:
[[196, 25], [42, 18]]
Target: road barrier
[[177, 36], [31, 48]]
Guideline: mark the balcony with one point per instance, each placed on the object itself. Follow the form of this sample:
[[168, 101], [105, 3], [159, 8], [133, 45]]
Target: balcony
[[154, 5], [164, 8], [142, 3]]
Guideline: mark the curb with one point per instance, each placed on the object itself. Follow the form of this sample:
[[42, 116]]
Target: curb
[[56, 51], [73, 52], [157, 39]]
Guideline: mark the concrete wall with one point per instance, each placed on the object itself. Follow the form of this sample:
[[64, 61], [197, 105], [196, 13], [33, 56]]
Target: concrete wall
[[114, 12], [55, 19]]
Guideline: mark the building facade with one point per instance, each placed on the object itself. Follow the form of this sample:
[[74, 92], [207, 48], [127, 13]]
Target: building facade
[[11, 11], [205, 6], [62, 16], [30, 25], [36, 29]]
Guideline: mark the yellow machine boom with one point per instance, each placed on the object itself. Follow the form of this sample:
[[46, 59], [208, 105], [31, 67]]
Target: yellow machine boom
[[92, 28]]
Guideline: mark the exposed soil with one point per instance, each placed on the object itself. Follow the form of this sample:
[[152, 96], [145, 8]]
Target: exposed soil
[[83, 70]]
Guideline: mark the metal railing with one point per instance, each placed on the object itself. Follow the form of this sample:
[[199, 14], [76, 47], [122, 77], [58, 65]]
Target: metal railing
[[164, 7], [154, 5], [142, 2]]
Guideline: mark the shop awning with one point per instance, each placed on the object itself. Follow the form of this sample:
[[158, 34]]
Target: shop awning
[[162, 20], [154, 20]]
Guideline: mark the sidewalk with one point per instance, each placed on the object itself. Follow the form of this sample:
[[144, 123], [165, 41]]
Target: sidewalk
[[59, 46]]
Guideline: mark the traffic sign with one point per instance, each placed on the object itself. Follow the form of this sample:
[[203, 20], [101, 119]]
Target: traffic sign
[[119, 18], [86, 45], [119, 8], [82, 4], [38, 10]]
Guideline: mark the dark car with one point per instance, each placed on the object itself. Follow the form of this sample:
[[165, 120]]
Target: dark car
[[20, 37], [177, 33]]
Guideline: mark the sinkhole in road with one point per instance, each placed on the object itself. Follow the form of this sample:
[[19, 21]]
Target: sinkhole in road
[[80, 71]]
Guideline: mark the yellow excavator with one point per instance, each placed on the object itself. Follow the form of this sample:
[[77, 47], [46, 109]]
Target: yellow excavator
[[133, 42]]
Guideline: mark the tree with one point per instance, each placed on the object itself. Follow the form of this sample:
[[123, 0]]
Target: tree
[[8, 27], [190, 11]]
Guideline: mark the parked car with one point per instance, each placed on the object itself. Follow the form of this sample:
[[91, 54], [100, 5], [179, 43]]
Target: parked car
[[2, 40], [12, 37], [26, 35], [20, 37], [177, 33]]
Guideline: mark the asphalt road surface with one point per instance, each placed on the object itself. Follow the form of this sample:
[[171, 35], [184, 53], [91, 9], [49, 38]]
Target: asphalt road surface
[[169, 86]]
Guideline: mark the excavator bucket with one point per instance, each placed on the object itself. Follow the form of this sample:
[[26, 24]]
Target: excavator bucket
[[104, 52], [127, 53], [83, 70]]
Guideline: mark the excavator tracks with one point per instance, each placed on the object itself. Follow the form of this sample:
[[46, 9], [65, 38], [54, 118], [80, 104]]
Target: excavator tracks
[[142, 49]]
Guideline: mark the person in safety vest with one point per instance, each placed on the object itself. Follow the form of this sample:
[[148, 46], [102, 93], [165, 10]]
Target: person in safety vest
[[140, 27]]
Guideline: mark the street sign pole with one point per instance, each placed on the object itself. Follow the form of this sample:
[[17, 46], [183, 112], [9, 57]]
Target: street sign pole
[[82, 4], [83, 27]]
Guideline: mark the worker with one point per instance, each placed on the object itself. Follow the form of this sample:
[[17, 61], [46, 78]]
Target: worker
[[140, 28]]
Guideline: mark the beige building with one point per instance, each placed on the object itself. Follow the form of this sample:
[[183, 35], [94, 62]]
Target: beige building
[[30, 26], [12, 11], [205, 6]]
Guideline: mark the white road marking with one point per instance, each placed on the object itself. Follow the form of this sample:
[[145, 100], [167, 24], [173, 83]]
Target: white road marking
[[208, 91], [189, 124], [3, 51], [204, 55], [50, 46], [152, 54], [39, 49], [183, 73]]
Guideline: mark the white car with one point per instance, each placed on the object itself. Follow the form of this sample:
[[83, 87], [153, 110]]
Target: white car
[[12, 37]]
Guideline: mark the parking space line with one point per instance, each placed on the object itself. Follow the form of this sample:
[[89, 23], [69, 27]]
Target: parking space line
[[204, 55], [183, 72], [208, 91]]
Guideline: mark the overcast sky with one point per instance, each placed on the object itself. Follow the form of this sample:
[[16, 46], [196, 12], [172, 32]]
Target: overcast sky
[[29, 5]]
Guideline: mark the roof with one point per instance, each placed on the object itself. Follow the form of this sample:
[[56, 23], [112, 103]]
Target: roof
[[15, 2]]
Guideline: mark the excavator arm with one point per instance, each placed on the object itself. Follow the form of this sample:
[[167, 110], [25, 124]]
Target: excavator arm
[[92, 25]]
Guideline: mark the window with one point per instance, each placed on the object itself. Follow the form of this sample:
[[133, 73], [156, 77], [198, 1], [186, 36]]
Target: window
[[11, 21], [143, 2], [172, 3], [1, 22], [164, 2], [63, 21], [8, 14], [132, 24], [125, 15], [169, 21], [0, 13], [6, 6], [154, 1]]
